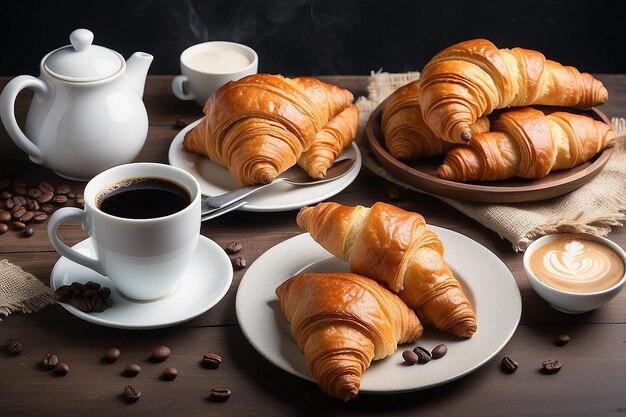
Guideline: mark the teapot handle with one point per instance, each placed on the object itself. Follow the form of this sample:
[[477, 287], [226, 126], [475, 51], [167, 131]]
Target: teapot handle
[[7, 113]]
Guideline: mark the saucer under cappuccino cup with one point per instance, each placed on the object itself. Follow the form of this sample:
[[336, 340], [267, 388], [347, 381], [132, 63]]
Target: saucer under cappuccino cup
[[143, 220]]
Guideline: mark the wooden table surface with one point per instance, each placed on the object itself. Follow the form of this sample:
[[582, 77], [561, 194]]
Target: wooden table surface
[[592, 381]]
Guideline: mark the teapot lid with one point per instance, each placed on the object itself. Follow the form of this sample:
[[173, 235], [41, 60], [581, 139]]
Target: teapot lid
[[81, 61]]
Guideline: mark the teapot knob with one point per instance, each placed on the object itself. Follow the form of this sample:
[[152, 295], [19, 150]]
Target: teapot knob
[[81, 39]]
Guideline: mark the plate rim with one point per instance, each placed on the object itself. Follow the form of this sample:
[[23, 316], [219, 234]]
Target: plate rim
[[348, 178], [508, 334], [227, 282], [480, 192]]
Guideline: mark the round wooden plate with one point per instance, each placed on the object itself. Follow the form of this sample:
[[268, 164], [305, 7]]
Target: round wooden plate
[[422, 174]]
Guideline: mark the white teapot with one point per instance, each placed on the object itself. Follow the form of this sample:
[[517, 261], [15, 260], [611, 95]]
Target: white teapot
[[87, 112]]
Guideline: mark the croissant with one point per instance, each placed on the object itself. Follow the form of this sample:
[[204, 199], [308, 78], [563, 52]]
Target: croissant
[[338, 133], [407, 137], [259, 126], [472, 78], [394, 247], [342, 322], [527, 143]]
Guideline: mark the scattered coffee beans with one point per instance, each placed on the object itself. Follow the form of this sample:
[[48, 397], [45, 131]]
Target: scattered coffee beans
[[112, 354], [219, 394], [160, 353], [170, 374], [551, 366], [211, 360], [423, 355], [29, 231], [508, 365], [239, 262], [90, 297], [234, 247], [131, 394], [49, 361], [561, 340], [410, 357], [439, 351], [132, 369], [14, 347], [61, 369]]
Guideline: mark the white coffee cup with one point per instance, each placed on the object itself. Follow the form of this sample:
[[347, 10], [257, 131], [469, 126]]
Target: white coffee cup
[[144, 258], [207, 66]]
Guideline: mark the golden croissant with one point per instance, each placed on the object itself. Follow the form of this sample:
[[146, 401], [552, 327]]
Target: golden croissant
[[338, 133], [394, 247], [527, 143], [259, 126], [407, 137], [343, 321], [472, 78]]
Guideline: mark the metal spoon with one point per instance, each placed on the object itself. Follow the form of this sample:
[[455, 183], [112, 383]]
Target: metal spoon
[[294, 176]]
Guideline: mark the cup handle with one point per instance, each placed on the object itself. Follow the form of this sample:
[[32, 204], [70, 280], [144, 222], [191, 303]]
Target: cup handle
[[58, 217], [7, 113], [178, 86]]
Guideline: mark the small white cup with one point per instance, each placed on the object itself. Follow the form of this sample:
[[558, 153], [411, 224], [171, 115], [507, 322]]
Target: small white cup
[[144, 258], [569, 301], [207, 66]]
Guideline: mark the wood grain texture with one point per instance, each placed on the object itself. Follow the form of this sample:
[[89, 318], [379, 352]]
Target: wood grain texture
[[591, 382]]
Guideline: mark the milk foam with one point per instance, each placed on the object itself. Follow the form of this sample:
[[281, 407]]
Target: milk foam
[[576, 263]]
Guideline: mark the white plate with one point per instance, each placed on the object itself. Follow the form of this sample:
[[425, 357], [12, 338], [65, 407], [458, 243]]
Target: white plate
[[487, 282], [215, 179], [205, 283]]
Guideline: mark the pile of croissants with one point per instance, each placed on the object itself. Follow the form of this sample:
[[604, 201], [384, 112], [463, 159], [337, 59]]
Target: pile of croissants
[[472, 104]]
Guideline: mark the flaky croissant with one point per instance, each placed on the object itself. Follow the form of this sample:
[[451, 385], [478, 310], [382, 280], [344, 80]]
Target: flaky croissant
[[527, 143], [407, 137], [338, 133], [472, 78], [394, 247], [259, 126], [342, 322]]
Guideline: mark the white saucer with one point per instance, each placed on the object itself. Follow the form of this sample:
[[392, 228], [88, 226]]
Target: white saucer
[[215, 179], [205, 283]]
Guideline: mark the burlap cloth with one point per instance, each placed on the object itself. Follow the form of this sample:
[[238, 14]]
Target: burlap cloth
[[593, 208], [21, 291]]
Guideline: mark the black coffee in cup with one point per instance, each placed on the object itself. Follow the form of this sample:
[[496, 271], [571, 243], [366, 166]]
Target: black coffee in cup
[[143, 198]]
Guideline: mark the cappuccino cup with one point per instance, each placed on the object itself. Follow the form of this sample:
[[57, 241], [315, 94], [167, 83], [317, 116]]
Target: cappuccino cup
[[207, 66], [143, 220], [575, 272]]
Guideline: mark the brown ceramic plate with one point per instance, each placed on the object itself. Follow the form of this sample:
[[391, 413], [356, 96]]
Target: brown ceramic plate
[[422, 174]]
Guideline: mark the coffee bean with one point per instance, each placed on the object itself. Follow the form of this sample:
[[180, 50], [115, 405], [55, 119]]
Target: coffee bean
[[49, 361], [27, 217], [551, 366], [45, 197], [439, 351], [62, 294], [160, 353], [19, 190], [80, 199], [98, 304], [63, 190], [234, 247], [5, 195], [131, 393], [211, 360], [19, 183], [423, 355], [104, 292], [3, 228], [5, 216], [47, 208], [61, 369], [45, 187], [132, 370], [239, 262], [9, 204], [14, 347], [219, 394], [170, 374], [561, 340], [78, 288], [19, 225], [31, 205], [112, 354], [29, 231], [90, 293], [108, 302], [34, 193], [18, 212], [508, 365], [410, 357], [84, 304], [91, 285], [40, 217], [60, 200]]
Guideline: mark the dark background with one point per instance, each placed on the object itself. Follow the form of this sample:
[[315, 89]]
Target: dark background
[[318, 37]]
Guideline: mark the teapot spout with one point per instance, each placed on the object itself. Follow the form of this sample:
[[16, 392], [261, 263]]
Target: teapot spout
[[137, 69]]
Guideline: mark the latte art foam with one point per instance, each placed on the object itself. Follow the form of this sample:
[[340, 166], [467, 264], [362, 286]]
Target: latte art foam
[[577, 265]]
